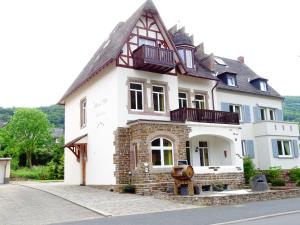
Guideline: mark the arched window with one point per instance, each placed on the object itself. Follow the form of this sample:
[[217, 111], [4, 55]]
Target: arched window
[[162, 152]]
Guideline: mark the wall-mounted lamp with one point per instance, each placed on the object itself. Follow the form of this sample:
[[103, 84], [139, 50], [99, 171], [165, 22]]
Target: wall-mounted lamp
[[197, 149]]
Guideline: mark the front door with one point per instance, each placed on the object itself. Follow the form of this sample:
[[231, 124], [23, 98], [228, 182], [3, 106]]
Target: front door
[[203, 152]]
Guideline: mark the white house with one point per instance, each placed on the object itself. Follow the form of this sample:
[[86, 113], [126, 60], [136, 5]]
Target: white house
[[150, 99]]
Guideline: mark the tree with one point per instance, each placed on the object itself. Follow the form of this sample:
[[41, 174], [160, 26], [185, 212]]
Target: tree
[[28, 131]]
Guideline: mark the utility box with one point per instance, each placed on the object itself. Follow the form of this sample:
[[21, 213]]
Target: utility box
[[4, 170]]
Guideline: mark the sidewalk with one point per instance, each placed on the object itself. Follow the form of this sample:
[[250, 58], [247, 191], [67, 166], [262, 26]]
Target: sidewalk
[[105, 202]]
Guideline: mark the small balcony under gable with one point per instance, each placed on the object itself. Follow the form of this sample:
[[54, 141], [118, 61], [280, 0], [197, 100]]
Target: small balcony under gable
[[204, 116], [153, 59]]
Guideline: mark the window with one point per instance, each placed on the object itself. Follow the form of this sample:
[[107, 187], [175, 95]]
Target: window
[[272, 114], [231, 80], [244, 148], [136, 96], [187, 56], [284, 148], [83, 112], [158, 97], [182, 96], [236, 109], [203, 151], [263, 114], [162, 152], [220, 61], [263, 85], [143, 41], [133, 157], [199, 101]]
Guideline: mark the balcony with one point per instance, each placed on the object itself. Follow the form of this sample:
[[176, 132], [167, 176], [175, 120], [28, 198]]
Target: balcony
[[204, 116], [276, 128], [153, 59]]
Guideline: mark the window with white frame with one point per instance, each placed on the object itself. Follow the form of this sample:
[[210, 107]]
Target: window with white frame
[[263, 114], [136, 96], [187, 57], [263, 85], [182, 97], [284, 148], [271, 114], [162, 152], [236, 109], [199, 101], [144, 41], [158, 97], [83, 110], [231, 80]]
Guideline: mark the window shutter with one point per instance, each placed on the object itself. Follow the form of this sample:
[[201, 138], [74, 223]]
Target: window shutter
[[275, 148], [250, 148], [246, 114], [225, 106], [295, 148], [256, 112], [279, 115]]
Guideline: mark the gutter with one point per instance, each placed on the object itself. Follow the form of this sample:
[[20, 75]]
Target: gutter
[[212, 94]]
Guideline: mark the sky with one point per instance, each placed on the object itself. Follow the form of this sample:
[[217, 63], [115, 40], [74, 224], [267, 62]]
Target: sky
[[44, 44]]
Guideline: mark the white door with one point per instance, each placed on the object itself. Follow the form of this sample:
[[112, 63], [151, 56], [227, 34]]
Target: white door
[[2, 166]]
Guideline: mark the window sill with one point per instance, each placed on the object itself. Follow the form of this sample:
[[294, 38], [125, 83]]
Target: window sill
[[285, 157]]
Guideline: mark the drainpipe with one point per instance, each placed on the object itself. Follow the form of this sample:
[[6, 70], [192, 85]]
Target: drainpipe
[[212, 94]]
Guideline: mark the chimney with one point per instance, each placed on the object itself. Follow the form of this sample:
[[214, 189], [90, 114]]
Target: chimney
[[241, 59]]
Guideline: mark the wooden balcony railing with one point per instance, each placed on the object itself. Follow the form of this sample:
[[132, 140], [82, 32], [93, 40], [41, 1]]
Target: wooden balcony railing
[[204, 116], [153, 59]]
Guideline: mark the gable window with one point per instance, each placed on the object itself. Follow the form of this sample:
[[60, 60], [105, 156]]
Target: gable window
[[136, 96], [182, 97], [158, 97], [199, 101], [187, 57], [83, 112], [236, 109], [144, 41], [231, 80], [263, 114], [162, 152], [263, 85], [284, 148], [272, 114]]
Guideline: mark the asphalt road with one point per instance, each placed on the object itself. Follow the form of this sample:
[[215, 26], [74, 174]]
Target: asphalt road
[[25, 206], [257, 213]]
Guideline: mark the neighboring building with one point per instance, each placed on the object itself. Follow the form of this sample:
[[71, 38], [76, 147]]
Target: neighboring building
[[57, 134], [150, 99]]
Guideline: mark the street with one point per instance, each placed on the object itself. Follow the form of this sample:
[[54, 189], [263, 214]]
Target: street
[[276, 212]]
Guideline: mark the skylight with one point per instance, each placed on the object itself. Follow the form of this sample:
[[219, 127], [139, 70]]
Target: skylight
[[220, 61]]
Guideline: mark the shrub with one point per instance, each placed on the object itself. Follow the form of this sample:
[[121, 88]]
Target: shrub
[[298, 183], [273, 173], [35, 173], [294, 174], [129, 188], [249, 169], [278, 182]]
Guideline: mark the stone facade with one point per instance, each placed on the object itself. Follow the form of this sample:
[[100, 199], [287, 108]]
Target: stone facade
[[146, 178]]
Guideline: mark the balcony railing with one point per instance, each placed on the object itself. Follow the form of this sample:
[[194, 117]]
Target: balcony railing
[[204, 116], [153, 59]]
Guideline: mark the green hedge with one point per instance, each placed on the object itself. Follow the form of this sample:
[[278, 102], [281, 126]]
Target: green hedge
[[278, 182], [294, 174]]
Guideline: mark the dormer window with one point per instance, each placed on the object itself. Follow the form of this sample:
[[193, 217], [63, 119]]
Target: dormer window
[[144, 41], [231, 81], [187, 57], [263, 85]]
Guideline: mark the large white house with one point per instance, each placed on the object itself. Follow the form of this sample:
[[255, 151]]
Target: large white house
[[150, 99]]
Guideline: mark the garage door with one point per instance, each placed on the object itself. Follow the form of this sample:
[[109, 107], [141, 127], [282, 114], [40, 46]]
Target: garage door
[[2, 165]]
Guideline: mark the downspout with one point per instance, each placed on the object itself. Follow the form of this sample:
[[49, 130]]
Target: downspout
[[212, 94]]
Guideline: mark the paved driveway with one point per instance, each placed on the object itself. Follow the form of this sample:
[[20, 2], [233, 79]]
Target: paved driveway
[[21, 205], [108, 203]]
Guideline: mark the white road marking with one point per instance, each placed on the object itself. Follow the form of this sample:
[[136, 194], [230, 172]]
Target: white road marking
[[257, 218]]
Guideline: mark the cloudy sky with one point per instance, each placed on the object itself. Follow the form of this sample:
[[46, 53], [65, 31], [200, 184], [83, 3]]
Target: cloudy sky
[[44, 44]]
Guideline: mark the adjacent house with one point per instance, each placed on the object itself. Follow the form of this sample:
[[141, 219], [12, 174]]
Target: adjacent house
[[150, 99]]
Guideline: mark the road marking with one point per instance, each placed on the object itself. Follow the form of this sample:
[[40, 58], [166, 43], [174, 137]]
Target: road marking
[[257, 218]]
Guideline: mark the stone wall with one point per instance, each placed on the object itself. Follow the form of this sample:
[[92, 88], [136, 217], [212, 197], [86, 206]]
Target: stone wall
[[145, 177]]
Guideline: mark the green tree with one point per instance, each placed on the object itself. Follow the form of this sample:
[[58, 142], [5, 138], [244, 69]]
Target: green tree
[[28, 131]]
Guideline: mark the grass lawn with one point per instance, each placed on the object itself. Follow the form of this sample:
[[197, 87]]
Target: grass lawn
[[40, 173]]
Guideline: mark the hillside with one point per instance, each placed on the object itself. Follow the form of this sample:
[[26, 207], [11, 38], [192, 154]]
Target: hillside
[[292, 108], [55, 114]]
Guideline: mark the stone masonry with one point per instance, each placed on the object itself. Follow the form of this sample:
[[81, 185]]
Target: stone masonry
[[144, 177]]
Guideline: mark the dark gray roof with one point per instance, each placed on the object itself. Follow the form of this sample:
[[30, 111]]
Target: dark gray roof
[[243, 75], [181, 38]]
